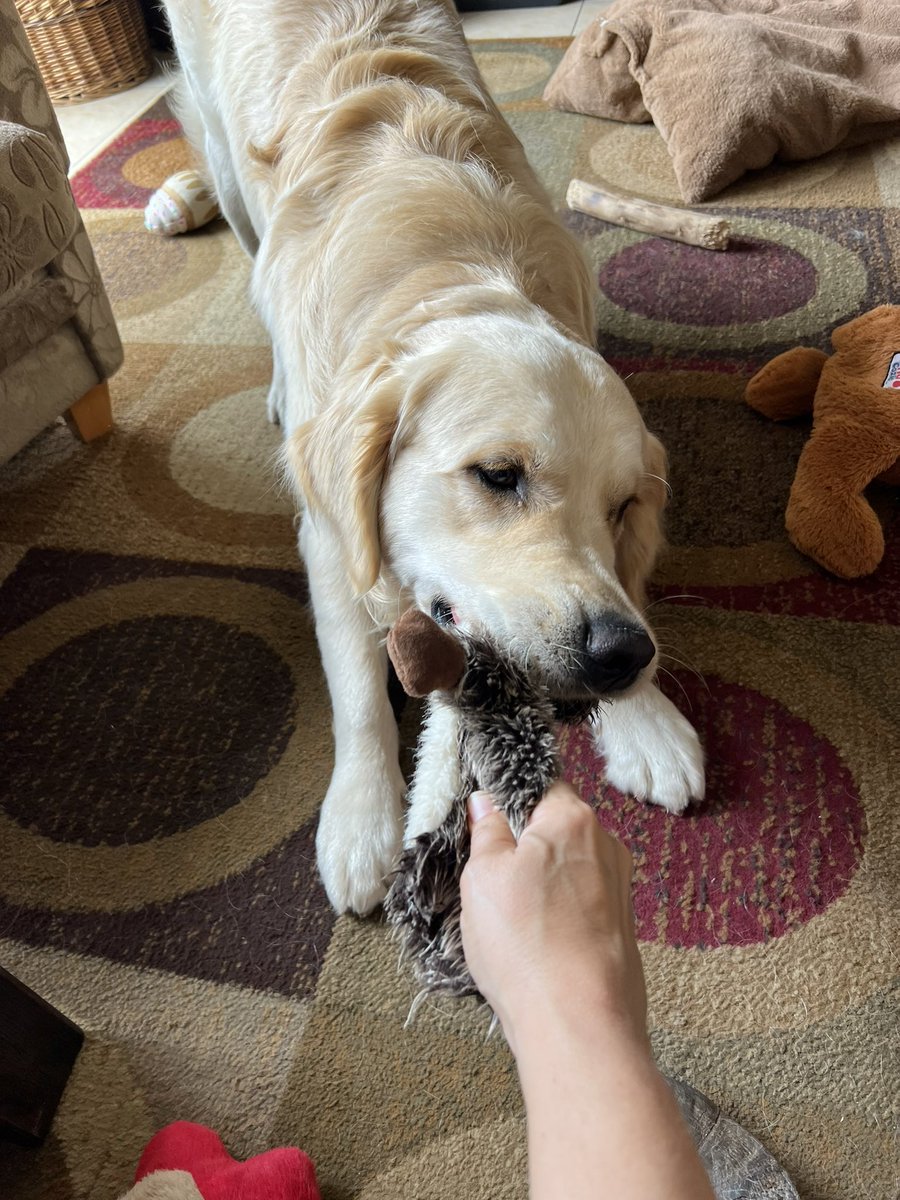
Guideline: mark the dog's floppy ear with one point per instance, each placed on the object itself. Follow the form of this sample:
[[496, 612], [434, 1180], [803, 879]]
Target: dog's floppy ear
[[337, 462], [642, 537]]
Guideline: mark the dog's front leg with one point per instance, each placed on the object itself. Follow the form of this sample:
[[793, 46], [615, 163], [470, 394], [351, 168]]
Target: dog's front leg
[[652, 752], [277, 398], [360, 824]]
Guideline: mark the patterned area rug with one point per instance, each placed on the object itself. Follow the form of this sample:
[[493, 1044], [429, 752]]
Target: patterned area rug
[[166, 736]]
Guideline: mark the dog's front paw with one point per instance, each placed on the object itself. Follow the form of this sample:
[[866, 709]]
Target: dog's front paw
[[359, 837], [652, 752]]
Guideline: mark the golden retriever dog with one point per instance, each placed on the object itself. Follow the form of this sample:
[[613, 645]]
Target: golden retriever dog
[[456, 441]]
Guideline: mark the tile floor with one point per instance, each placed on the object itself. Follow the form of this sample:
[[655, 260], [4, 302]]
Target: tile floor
[[87, 128]]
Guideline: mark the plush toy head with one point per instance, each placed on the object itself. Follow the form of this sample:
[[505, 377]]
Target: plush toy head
[[507, 745], [855, 399]]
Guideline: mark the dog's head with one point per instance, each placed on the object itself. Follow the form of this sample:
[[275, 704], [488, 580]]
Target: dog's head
[[501, 474]]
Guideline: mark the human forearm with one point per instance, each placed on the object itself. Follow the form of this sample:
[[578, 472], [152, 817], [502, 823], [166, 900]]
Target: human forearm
[[602, 1121], [548, 931]]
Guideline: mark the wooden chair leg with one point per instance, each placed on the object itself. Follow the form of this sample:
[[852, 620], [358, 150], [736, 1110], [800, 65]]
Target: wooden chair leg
[[91, 416]]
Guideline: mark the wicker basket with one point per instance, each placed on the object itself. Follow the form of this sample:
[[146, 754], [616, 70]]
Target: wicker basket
[[87, 48]]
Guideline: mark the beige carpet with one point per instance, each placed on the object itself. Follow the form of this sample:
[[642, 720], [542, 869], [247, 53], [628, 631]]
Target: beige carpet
[[166, 739]]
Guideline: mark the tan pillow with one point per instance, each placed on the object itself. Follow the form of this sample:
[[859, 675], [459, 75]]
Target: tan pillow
[[733, 84]]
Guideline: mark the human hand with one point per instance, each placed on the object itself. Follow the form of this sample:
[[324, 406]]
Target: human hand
[[547, 924]]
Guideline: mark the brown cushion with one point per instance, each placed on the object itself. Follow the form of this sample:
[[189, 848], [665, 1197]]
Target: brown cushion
[[733, 84]]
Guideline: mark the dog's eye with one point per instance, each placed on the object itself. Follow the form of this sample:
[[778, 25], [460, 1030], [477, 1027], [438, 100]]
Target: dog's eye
[[617, 515], [441, 612], [500, 479]]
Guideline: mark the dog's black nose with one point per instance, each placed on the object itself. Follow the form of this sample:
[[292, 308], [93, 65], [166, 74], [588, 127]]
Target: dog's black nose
[[614, 652]]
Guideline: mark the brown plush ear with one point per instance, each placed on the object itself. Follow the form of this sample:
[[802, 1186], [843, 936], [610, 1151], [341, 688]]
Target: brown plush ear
[[874, 330], [425, 658], [786, 386]]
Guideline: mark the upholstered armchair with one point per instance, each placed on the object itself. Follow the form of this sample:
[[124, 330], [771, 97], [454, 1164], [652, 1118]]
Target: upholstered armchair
[[58, 338]]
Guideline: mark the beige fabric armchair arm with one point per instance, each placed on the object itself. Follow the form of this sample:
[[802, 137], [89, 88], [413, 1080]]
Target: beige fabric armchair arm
[[58, 339]]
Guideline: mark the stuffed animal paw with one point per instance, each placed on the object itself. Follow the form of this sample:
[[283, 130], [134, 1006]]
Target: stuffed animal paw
[[855, 400]]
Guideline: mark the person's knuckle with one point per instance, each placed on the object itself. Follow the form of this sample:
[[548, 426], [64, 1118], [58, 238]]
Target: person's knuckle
[[581, 817]]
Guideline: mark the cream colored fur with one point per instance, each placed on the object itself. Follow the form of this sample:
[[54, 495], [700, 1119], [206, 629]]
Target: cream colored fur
[[165, 1185], [428, 315]]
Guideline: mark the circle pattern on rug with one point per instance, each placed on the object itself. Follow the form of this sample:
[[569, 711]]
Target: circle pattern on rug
[[687, 285], [225, 457], [514, 74], [148, 727], [150, 167], [124, 876], [146, 275], [108, 181], [777, 841], [765, 302]]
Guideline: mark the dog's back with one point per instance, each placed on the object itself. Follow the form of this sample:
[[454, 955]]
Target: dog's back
[[361, 124]]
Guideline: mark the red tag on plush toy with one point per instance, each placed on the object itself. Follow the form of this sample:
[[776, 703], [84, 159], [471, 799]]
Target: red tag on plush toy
[[892, 379]]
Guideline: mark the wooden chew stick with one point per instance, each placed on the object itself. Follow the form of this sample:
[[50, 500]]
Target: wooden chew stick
[[680, 224]]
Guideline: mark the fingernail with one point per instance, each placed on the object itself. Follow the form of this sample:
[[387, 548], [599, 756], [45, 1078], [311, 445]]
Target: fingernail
[[480, 804]]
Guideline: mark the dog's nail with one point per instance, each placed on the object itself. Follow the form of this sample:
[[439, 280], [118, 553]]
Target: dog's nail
[[480, 804]]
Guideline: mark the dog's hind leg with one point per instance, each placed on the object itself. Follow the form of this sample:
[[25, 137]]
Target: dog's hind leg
[[212, 157], [360, 826], [228, 191]]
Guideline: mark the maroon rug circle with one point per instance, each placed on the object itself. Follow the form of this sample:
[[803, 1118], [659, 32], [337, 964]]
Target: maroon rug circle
[[686, 285], [145, 728], [777, 841]]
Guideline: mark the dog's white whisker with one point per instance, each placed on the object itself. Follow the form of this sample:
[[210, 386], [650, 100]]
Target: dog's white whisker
[[680, 596], [687, 666], [677, 681], [418, 1000], [662, 480]]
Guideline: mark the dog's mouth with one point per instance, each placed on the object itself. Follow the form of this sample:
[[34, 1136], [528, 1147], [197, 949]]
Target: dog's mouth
[[570, 703], [573, 712]]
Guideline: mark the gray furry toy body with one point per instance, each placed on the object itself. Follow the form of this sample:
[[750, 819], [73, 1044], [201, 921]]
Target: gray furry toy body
[[508, 746]]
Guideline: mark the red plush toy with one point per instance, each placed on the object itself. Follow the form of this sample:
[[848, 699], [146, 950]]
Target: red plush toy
[[185, 1161]]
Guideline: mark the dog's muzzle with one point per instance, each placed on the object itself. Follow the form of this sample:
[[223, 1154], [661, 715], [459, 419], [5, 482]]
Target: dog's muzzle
[[612, 653]]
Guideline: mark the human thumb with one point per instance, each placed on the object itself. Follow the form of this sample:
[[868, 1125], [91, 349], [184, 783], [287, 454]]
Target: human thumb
[[487, 825], [480, 804]]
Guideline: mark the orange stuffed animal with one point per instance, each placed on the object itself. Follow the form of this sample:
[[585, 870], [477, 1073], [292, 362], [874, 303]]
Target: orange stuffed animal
[[855, 400]]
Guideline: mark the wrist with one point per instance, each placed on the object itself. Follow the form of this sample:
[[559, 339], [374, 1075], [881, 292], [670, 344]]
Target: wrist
[[604, 1058], [583, 1019]]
